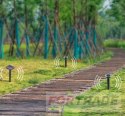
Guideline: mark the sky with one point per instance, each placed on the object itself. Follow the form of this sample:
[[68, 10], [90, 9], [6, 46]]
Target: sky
[[107, 4]]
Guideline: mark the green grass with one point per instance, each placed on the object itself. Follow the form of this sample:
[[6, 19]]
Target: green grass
[[22, 50], [92, 102], [37, 70], [116, 43]]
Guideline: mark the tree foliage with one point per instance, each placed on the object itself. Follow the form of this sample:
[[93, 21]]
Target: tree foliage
[[117, 11]]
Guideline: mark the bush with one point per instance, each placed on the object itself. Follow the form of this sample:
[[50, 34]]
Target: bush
[[116, 43]]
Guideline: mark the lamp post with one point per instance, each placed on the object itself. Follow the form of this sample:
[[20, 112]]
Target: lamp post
[[108, 76], [10, 68], [66, 57]]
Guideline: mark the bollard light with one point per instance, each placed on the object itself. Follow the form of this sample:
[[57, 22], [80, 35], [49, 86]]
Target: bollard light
[[66, 57], [10, 68], [108, 76]]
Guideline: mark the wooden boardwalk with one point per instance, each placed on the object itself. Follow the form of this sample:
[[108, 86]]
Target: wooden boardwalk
[[32, 101]]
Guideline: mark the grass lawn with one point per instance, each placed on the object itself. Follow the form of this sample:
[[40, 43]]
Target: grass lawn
[[100, 102], [37, 70]]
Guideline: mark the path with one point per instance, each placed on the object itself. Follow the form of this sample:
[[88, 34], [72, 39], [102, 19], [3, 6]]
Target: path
[[32, 101]]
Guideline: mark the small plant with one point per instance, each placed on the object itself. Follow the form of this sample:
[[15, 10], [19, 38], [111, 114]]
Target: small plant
[[33, 81], [79, 98], [44, 72]]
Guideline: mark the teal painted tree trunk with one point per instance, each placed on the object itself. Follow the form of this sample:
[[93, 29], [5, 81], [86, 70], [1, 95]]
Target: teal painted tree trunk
[[27, 45], [17, 39], [76, 48], [55, 42], [87, 44], [81, 51], [94, 37], [1, 39], [46, 38]]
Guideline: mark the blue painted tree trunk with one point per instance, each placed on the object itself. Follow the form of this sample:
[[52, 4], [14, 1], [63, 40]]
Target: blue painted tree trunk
[[17, 39], [46, 38], [1, 39]]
